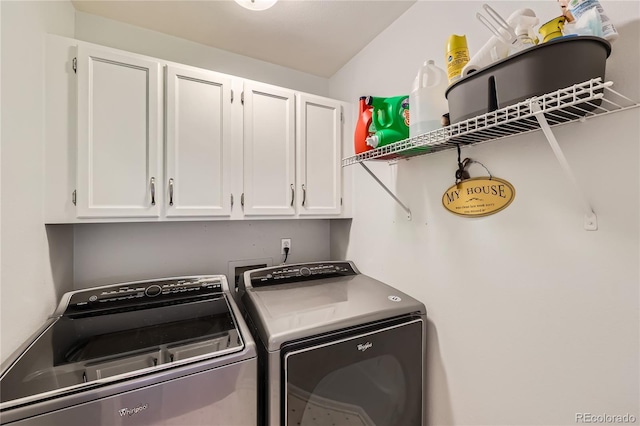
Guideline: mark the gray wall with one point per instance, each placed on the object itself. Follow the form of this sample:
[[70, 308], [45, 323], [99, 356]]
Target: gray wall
[[532, 319], [107, 32], [26, 282], [109, 253]]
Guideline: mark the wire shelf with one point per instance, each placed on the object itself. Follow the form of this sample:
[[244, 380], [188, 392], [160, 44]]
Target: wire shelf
[[578, 102]]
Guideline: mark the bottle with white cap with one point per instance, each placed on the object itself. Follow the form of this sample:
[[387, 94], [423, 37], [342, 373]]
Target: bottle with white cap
[[525, 35], [427, 101]]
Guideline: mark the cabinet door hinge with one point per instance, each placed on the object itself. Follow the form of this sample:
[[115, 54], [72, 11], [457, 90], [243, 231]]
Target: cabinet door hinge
[[73, 196], [242, 98], [231, 95], [74, 65]]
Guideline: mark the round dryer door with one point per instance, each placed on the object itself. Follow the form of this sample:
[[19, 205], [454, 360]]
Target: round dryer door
[[367, 377]]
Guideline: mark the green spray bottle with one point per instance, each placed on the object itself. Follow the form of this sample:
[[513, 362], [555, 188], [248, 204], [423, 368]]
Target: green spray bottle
[[390, 118]]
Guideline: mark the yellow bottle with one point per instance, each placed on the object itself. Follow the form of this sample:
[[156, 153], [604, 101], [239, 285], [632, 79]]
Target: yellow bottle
[[457, 56]]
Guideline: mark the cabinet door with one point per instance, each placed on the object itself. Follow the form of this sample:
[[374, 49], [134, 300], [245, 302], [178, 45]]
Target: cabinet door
[[119, 135], [198, 154], [269, 150], [319, 143]]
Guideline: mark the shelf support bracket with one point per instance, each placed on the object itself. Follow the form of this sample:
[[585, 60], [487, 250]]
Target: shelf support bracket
[[405, 208], [590, 219]]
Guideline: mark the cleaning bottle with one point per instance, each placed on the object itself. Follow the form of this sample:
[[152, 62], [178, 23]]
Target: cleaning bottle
[[390, 118], [605, 27], [525, 35], [364, 126], [427, 101], [552, 29], [456, 57]]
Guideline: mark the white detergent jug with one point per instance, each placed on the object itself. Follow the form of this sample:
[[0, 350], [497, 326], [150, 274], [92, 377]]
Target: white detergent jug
[[427, 101]]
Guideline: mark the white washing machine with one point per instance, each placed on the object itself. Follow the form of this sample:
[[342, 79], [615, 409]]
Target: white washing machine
[[165, 352], [335, 347]]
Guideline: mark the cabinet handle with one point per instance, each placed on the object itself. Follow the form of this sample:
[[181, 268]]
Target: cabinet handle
[[171, 192], [304, 195], [293, 195], [153, 191], [242, 200], [231, 201]]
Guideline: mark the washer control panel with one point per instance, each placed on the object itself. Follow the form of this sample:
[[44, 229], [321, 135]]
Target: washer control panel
[[143, 292], [300, 272]]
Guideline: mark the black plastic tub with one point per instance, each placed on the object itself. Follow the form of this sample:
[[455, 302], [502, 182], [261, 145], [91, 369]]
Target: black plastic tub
[[545, 68]]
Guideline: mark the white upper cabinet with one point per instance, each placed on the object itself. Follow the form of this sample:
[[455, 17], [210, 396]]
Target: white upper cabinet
[[119, 135], [151, 140], [291, 156], [198, 143], [269, 150], [319, 143]]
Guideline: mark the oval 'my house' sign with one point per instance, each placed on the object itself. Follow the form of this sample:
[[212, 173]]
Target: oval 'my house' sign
[[480, 196]]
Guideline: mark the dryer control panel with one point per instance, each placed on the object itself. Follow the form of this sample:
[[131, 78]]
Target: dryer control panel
[[300, 272]]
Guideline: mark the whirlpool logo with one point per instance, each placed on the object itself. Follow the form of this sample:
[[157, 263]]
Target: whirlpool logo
[[364, 346], [132, 411]]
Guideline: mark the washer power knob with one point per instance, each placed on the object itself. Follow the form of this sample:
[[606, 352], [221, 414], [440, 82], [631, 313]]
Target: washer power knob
[[153, 290], [305, 272]]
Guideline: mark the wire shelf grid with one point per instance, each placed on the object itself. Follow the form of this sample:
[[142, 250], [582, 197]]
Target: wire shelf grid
[[578, 102]]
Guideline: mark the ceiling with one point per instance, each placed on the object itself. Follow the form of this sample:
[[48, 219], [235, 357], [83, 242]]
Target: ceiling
[[313, 36]]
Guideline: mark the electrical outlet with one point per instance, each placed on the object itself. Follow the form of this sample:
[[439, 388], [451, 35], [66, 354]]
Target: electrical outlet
[[285, 243]]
